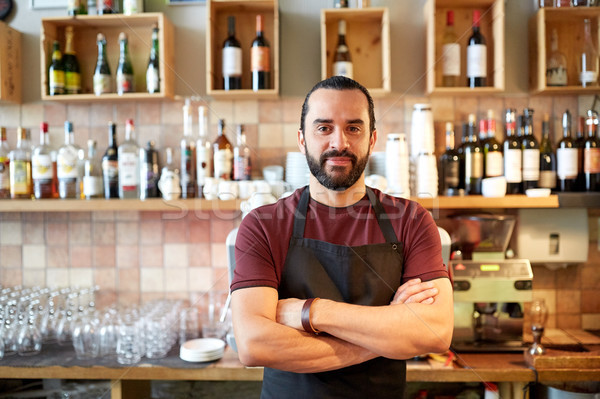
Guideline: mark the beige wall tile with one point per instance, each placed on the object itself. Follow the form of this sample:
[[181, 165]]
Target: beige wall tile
[[11, 233], [200, 254], [103, 233], [79, 114], [172, 112], [127, 233], [568, 301], [58, 256], [152, 279], [151, 255], [127, 256], [10, 216], [82, 277], [126, 111], [11, 256], [33, 217], [569, 278], [127, 216], [220, 228], [590, 301], [101, 114], [199, 231], [290, 136], [105, 279], [590, 321], [549, 296], [10, 115], [80, 216], [270, 111], [176, 255], [443, 108], [129, 298], [34, 256], [175, 231], [176, 280], [292, 109], [270, 135], [200, 279], [220, 278], [80, 233], [33, 233], [106, 216], [81, 256], [34, 277], [31, 116], [57, 233], [543, 278], [55, 114], [104, 256], [11, 277], [57, 277], [219, 255], [220, 109], [590, 276], [129, 280], [571, 321], [149, 113], [151, 232], [245, 112]]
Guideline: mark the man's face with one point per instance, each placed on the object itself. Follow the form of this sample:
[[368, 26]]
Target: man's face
[[337, 141]]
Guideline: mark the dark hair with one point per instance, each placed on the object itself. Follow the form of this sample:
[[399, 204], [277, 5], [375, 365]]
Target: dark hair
[[339, 83]]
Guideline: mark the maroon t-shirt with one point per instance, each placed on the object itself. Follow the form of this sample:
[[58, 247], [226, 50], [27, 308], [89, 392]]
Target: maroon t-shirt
[[264, 236]]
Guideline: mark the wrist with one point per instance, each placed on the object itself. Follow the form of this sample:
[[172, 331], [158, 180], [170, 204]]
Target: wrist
[[307, 314]]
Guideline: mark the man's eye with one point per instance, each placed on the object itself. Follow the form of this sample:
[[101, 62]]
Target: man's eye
[[323, 129], [354, 129]]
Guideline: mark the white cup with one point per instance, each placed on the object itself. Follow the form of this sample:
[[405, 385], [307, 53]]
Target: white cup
[[246, 188], [262, 186], [211, 188], [273, 173], [493, 186], [228, 190]]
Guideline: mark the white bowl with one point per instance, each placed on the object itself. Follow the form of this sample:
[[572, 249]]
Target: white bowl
[[493, 187], [537, 192]]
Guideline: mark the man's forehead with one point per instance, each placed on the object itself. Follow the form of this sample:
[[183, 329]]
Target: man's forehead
[[355, 97]]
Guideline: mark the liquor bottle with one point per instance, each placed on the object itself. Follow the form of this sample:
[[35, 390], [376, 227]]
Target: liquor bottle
[[449, 165], [92, 177], [56, 72], [232, 58], [42, 167], [125, 69], [580, 145], [153, 71], [342, 61], [203, 150], [473, 154], [149, 171], [492, 150], [131, 7], [105, 7], [102, 77], [483, 123], [242, 162], [222, 154], [591, 154], [76, 7], [531, 152], [110, 164], [566, 157], [71, 65], [476, 55], [4, 165], [260, 58], [556, 66], [188, 150], [129, 164], [21, 185], [92, 7], [169, 178], [68, 166], [461, 156], [547, 158], [450, 53], [588, 58]]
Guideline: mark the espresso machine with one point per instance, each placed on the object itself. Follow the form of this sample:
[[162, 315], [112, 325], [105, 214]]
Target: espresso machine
[[489, 290]]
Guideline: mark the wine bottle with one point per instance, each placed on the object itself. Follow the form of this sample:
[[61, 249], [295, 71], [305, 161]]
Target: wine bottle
[[580, 145], [492, 150], [461, 156], [76, 7], [531, 152], [588, 58], [105, 7], [476, 55], [222, 154], [449, 165], [153, 70], [242, 162], [187, 156], [92, 177], [473, 159], [149, 171], [68, 166], [4, 165], [260, 58], [512, 154], [556, 66], [56, 72], [125, 69], [342, 61], [42, 166], [547, 158], [102, 77], [591, 154], [110, 164], [129, 164], [203, 150], [71, 65], [232, 58], [566, 157], [21, 185], [450, 53]]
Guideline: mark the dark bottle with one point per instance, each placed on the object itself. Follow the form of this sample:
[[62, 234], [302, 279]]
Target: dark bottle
[[75, 7], [591, 154], [580, 145], [102, 78], [187, 146], [461, 156], [232, 58], [125, 69], [110, 164], [547, 158], [149, 171], [449, 165], [473, 154], [260, 58], [153, 69], [476, 55], [566, 157], [56, 72], [71, 65], [493, 160], [512, 153], [222, 154], [531, 152]]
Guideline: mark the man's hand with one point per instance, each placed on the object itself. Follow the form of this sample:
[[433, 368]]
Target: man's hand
[[414, 291]]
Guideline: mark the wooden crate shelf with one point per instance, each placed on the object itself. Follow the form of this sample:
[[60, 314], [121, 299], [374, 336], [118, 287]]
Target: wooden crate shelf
[[368, 38], [492, 28], [10, 64], [138, 28], [245, 12]]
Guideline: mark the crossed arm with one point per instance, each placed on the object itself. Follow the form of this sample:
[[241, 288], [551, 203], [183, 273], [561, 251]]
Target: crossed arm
[[269, 333]]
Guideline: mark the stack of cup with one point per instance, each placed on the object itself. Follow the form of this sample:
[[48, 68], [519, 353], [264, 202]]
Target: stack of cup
[[427, 180], [397, 165], [423, 167]]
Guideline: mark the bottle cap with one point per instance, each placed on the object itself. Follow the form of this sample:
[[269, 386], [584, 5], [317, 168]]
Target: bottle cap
[[44, 127], [476, 17]]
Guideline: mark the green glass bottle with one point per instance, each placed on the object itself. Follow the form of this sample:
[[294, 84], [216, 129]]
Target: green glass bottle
[[125, 69], [152, 72], [102, 78], [56, 72], [71, 65]]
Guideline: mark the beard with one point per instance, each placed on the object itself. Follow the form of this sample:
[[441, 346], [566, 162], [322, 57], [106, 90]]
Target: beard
[[336, 181]]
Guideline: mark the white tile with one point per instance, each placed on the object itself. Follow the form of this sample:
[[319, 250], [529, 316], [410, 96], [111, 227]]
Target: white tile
[[245, 111], [33, 278], [130, 216], [290, 136], [218, 253], [81, 277], [34, 256], [219, 110], [57, 277], [103, 216], [176, 280], [152, 279], [200, 279], [176, 255], [11, 233], [270, 135], [10, 115]]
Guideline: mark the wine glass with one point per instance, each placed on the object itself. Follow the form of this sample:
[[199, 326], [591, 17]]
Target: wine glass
[[539, 315]]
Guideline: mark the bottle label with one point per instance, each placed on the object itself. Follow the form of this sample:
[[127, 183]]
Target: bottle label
[[222, 162], [19, 177], [547, 179], [566, 163], [92, 186], [451, 59], [232, 61], [531, 164], [4, 173], [260, 60], [494, 164], [477, 61], [343, 68], [591, 160], [110, 170], [588, 77], [512, 165], [72, 82], [556, 76], [102, 84], [124, 83], [203, 164], [187, 165], [41, 167], [57, 81], [451, 174], [131, 7], [152, 80], [474, 165], [128, 171], [241, 168], [169, 185], [66, 164]]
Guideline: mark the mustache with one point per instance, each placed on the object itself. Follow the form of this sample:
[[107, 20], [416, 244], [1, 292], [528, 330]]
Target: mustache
[[336, 153]]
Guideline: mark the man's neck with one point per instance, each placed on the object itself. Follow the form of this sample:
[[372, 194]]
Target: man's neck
[[337, 199]]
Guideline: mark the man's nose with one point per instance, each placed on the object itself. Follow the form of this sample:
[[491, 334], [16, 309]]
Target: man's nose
[[338, 139]]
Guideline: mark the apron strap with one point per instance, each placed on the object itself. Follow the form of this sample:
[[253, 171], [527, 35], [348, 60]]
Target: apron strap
[[384, 222], [300, 214]]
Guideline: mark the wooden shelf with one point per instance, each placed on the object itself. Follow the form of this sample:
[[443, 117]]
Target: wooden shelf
[[10, 64], [138, 28], [478, 201]]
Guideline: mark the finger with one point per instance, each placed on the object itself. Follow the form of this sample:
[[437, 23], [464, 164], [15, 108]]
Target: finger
[[428, 301], [421, 296]]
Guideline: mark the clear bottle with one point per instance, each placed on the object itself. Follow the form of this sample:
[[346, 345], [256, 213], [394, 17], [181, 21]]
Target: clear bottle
[[513, 154], [492, 150], [232, 58], [260, 58], [222, 154], [71, 65], [153, 69], [588, 58], [102, 76], [56, 72], [242, 162], [547, 158], [169, 178], [124, 69], [342, 60], [110, 164], [566, 157], [68, 166], [473, 153], [531, 153], [21, 185], [42, 166], [129, 164], [449, 165], [92, 177], [450, 53], [4, 165], [476, 55], [149, 171], [591, 154], [556, 66], [203, 150], [188, 155]]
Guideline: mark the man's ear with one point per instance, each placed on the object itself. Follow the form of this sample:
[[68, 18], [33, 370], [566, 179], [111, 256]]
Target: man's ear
[[301, 143]]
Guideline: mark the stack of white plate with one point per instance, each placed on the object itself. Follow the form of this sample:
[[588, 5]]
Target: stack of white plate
[[296, 170], [202, 350], [377, 163]]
